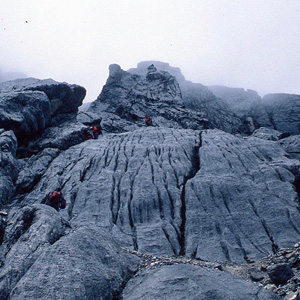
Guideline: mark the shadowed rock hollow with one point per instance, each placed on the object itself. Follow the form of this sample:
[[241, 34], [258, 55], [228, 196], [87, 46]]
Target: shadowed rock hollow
[[173, 211]]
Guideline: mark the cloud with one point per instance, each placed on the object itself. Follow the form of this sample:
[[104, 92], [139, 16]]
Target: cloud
[[250, 44]]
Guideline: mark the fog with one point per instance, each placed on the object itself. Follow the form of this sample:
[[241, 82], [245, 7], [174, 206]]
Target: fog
[[252, 44]]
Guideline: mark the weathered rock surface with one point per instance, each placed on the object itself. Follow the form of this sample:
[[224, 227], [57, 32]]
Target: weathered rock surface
[[190, 200], [197, 97], [156, 194], [240, 101], [189, 282], [291, 145], [283, 111], [27, 106], [242, 204], [8, 165], [131, 97], [46, 259]]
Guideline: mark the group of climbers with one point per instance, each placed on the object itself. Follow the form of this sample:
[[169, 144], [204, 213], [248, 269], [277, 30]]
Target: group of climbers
[[93, 132], [56, 199]]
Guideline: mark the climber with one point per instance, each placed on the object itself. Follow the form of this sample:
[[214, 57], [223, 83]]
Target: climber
[[95, 132], [56, 200], [148, 121], [87, 134]]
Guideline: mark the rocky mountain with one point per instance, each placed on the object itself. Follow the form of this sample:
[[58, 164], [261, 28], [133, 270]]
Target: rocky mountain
[[278, 111], [186, 209]]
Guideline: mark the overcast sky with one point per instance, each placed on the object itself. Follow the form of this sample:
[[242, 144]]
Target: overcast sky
[[252, 44]]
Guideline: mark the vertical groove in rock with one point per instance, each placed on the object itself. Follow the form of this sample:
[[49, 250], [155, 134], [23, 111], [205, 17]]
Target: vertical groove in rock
[[195, 169]]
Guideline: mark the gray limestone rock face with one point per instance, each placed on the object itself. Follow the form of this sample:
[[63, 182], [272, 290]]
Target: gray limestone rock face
[[84, 264], [291, 145], [33, 169], [157, 94], [27, 106], [8, 165], [130, 183], [197, 97], [63, 97], [190, 282], [29, 231], [169, 192], [240, 100], [26, 112], [267, 134], [284, 112], [242, 204]]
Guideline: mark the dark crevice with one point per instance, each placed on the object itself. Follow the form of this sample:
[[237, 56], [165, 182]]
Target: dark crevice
[[263, 223], [296, 184], [225, 250], [291, 222], [194, 171], [169, 240], [183, 220], [72, 202]]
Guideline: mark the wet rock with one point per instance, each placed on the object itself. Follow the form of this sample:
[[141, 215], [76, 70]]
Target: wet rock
[[191, 282], [280, 274]]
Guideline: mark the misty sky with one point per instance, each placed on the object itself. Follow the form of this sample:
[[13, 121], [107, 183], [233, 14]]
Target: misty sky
[[252, 44]]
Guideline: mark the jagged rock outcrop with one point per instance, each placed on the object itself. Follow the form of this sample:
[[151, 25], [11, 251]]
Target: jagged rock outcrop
[[29, 106], [42, 113], [131, 97], [197, 97], [276, 111]]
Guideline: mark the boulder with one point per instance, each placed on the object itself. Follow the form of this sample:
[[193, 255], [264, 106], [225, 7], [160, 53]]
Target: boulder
[[46, 259], [27, 105], [184, 281], [280, 274], [29, 231], [85, 264], [63, 97]]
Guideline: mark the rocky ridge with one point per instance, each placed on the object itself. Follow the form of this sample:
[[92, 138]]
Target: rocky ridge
[[214, 214]]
